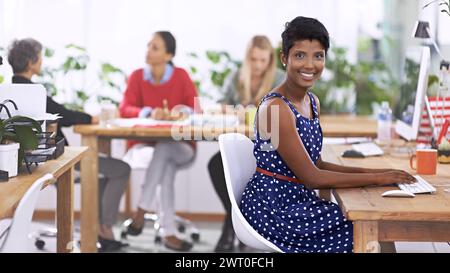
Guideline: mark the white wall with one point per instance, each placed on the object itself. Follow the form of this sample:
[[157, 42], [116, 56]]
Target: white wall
[[117, 31]]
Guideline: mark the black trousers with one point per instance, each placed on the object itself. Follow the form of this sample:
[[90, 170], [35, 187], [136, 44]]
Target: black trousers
[[217, 175]]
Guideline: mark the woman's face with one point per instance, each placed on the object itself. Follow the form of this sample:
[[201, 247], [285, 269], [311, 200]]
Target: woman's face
[[156, 52], [259, 61], [35, 67], [305, 62]]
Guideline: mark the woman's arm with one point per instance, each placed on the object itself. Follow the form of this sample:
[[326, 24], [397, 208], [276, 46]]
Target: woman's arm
[[69, 117], [323, 165], [290, 147]]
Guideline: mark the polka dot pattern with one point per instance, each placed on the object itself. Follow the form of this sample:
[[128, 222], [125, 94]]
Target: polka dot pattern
[[290, 215]]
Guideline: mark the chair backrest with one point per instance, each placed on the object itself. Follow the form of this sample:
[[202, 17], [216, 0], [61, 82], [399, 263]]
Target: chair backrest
[[239, 165], [16, 239]]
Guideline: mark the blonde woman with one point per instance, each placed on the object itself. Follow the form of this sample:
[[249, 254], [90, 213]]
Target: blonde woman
[[246, 86]]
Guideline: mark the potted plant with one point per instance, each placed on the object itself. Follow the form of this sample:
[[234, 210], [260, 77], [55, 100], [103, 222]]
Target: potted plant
[[17, 135], [444, 151]]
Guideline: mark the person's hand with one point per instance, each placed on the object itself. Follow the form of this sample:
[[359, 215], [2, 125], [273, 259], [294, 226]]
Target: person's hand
[[166, 108], [95, 120], [395, 176], [176, 115], [157, 113]]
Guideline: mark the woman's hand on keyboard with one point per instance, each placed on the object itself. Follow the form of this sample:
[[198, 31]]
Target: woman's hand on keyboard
[[396, 176]]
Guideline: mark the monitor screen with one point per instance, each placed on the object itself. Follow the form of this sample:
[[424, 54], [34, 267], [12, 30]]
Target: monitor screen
[[412, 91]]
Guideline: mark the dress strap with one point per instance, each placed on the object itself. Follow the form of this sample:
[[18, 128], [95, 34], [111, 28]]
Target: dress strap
[[313, 104]]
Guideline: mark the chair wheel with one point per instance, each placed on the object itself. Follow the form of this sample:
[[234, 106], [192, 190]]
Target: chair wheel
[[123, 235], [195, 237], [39, 244], [181, 228], [158, 240]]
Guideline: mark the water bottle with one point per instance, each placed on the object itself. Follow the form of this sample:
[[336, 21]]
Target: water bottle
[[384, 123]]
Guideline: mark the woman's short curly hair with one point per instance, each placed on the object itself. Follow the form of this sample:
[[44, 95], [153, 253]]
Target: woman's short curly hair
[[304, 28], [22, 52]]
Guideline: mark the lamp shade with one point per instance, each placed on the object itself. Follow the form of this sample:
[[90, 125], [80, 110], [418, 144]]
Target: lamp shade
[[421, 30]]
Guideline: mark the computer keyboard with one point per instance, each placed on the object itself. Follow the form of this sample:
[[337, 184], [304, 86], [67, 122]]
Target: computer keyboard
[[421, 186], [368, 149]]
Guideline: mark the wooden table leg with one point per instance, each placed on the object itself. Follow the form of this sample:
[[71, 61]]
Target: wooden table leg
[[64, 212], [365, 237], [89, 195]]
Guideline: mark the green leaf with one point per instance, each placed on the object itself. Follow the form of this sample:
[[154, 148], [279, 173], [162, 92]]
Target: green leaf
[[48, 52], [75, 47], [82, 95], [432, 79], [194, 70], [109, 68], [193, 54], [213, 56], [2, 131], [1, 78], [27, 137]]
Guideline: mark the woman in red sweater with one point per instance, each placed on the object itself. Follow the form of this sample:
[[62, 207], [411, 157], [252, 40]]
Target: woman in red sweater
[[151, 92]]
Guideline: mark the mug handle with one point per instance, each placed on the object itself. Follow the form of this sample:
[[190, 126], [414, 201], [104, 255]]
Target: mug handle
[[411, 161]]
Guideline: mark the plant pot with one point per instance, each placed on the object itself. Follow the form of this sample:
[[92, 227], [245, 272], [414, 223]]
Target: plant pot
[[444, 156], [9, 154]]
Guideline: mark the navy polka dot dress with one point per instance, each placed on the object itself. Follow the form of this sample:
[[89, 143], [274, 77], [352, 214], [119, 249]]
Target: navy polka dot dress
[[288, 214]]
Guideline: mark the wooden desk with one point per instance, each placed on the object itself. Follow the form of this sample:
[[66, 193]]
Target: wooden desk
[[99, 138], [425, 217], [11, 192]]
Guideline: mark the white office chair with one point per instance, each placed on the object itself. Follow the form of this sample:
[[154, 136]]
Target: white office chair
[[152, 219], [239, 166], [14, 238]]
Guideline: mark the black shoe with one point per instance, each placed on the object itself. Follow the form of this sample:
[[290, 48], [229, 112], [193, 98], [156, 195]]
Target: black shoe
[[134, 231], [109, 245], [226, 241], [185, 246]]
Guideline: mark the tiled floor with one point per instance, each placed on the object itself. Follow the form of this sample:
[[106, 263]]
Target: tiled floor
[[209, 234]]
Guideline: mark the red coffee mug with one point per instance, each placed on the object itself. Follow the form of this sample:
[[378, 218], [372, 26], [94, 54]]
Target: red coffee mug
[[426, 161]]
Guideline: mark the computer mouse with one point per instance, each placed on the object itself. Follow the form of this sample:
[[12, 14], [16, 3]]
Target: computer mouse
[[352, 153], [398, 193]]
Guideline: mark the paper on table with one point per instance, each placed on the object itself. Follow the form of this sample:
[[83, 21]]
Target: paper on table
[[46, 117]]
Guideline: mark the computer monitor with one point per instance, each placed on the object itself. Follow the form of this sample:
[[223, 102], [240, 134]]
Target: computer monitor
[[413, 92], [31, 99]]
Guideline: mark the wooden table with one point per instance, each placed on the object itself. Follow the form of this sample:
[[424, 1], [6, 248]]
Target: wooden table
[[11, 192], [377, 219], [98, 138]]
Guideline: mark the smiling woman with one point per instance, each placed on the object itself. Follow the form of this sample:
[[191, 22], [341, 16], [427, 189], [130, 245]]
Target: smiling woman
[[279, 201]]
